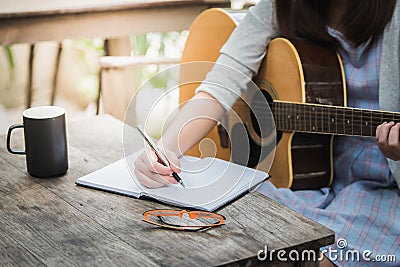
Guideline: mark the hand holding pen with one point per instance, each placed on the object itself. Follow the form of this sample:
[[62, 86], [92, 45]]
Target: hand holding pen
[[150, 178]]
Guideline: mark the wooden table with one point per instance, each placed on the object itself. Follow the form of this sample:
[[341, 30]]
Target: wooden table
[[52, 222], [27, 21]]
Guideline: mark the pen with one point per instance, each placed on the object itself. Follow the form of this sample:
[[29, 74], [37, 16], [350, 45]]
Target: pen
[[159, 154]]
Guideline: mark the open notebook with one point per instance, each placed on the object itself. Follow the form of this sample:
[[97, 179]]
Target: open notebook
[[210, 182]]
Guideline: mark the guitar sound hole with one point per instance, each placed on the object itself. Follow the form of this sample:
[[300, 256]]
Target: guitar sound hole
[[243, 152], [246, 150]]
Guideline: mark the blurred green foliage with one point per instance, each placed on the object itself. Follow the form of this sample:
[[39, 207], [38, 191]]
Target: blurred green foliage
[[10, 61], [153, 45]]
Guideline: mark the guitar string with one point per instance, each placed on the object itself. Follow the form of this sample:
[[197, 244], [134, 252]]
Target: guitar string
[[331, 108], [366, 120], [331, 116], [354, 119], [305, 124], [329, 112], [325, 107]]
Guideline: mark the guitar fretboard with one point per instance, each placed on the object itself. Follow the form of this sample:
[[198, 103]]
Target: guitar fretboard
[[312, 118]]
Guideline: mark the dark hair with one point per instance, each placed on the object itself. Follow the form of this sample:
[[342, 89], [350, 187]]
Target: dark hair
[[364, 19]]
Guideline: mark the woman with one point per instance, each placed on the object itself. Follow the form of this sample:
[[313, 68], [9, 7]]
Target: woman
[[362, 205]]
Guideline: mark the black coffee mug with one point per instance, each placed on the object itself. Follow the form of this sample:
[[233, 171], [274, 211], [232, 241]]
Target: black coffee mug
[[45, 141]]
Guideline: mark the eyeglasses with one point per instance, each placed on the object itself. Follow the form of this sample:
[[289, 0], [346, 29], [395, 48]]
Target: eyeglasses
[[183, 220]]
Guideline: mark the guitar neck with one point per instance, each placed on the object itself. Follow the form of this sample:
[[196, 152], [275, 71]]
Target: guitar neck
[[315, 118]]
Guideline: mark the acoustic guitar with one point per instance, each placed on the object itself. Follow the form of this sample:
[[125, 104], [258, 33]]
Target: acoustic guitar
[[304, 87]]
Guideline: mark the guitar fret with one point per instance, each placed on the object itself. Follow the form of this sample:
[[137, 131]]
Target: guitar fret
[[291, 126], [287, 115], [322, 119], [325, 121], [370, 124], [312, 118], [280, 122], [283, 111], [356, 128], [336, 119], [303, 119], [361, 119], [329, 121], [318, 121], [297, 118], [366, 117], [346, 119], [341, 121], [278, 115], [291, 118], [332, 120], [309, 123], [387, 117], [315, 121], [284, 118]]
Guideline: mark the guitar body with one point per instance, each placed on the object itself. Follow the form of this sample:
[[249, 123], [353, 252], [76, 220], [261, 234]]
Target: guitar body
[[302, 72], [296, 71], [207, 34]]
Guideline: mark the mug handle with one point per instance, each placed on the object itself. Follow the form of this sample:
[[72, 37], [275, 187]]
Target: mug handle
[[12, 127]]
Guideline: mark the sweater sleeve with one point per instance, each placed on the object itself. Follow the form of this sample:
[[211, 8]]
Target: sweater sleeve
[[389, 84], [242, 55]]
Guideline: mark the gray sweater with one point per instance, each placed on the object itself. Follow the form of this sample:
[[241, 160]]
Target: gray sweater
[[242, 55]]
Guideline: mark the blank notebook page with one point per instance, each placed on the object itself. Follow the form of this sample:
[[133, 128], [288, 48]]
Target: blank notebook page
[[210, 182]]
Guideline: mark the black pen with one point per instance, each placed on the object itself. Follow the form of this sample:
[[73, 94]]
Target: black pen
[[159, 154]]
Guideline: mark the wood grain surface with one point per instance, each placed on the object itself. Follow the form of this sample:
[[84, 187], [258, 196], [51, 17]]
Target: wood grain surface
[[53, 222]]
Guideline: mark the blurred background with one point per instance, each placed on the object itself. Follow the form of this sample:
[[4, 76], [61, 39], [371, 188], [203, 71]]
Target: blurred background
[[67, 74]]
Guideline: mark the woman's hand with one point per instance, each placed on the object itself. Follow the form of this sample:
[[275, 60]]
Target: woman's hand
[[152, 173], [387, 138]]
